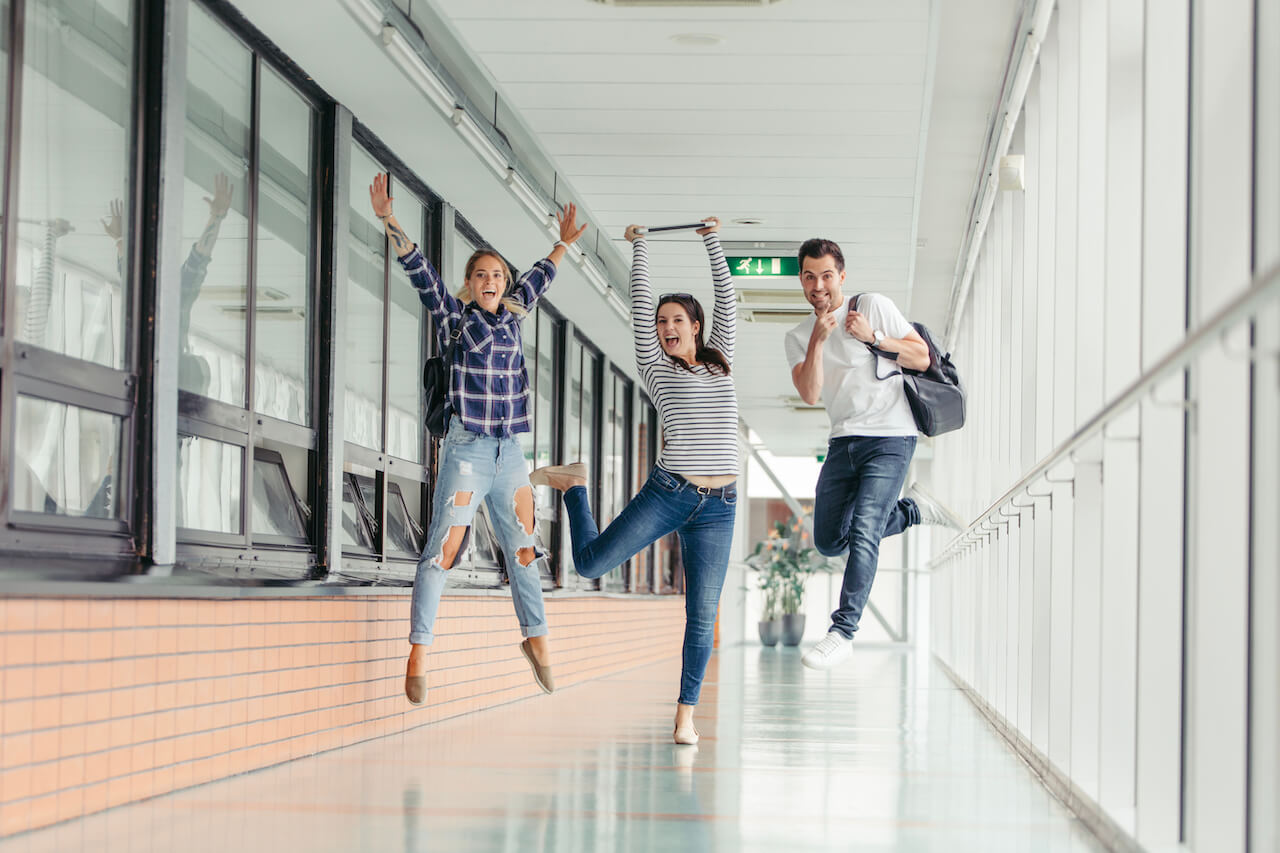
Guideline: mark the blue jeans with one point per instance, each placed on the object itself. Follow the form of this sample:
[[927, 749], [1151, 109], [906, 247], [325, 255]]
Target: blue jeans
[[667, 503], [492, 470], [855, 507]]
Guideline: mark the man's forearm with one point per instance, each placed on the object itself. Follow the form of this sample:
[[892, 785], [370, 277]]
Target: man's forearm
[[808, 379], [912, 354]]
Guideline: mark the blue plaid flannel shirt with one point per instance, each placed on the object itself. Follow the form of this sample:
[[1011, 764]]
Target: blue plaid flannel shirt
[[488, 385]]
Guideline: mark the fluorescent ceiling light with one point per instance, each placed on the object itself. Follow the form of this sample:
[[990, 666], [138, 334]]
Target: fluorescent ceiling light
[[481, 144], [417, 71], [367, 13]]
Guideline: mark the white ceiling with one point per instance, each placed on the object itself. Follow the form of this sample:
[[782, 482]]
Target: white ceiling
[[857, 120]]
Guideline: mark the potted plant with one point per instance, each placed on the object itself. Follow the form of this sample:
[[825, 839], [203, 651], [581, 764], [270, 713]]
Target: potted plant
[[785, 565]]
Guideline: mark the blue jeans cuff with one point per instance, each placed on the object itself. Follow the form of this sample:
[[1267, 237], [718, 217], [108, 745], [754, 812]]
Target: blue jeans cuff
[[534, 630], [424, 638]]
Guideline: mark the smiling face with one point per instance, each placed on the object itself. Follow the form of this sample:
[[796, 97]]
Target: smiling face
[[487, 281], [822, 279], [677, 331]]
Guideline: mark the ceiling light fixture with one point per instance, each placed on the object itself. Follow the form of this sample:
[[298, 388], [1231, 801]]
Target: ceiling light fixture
[[747, 221], [697, 39]]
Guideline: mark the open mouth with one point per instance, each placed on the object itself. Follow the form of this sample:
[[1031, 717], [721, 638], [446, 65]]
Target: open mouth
[[670, 341]]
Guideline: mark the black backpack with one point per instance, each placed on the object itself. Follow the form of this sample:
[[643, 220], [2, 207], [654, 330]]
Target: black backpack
[[935, 394], [435, 382]]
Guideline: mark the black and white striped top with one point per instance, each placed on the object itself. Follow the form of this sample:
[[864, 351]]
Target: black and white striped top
[[699, 408]]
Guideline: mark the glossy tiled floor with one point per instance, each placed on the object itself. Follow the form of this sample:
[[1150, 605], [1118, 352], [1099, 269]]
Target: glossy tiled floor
[[882, 755]]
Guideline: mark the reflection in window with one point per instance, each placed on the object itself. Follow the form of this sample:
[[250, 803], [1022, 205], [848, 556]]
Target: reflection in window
[[4, 87], [66, 461], [282, 378], [366, 260], [76, 149], [275, 507], [209, 484], [404, 345], [214, 222]]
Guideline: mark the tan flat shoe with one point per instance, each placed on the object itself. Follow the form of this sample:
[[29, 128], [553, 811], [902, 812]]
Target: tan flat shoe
[[686, 736], [415, 688], [541, 674], [559, 476]]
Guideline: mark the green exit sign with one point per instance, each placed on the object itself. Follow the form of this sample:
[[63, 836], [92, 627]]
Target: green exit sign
[[767, 266]]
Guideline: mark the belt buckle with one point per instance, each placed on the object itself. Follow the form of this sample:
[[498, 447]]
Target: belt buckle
[[704, 490]]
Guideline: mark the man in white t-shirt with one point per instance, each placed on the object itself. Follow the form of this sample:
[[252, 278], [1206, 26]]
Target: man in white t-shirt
[[873, 433]]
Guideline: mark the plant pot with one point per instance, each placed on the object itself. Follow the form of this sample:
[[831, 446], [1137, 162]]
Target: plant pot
[[792, 629], [770, 632]]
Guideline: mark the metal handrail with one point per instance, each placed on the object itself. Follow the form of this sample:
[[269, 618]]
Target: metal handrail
[[1261, 288]]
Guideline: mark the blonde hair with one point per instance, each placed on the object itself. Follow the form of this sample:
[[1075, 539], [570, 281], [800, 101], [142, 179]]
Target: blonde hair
[[515, 306]]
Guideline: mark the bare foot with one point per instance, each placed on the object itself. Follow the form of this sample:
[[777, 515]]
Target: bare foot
[[541, 648], [417, 661]]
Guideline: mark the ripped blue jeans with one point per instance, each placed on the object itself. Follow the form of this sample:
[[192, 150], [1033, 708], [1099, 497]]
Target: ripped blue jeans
[[475, 467]]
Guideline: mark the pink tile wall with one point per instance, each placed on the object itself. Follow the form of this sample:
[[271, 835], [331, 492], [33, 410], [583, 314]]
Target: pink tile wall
[[106, 701]]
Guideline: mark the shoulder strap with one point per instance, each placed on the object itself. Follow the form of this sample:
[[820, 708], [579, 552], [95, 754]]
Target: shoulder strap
[[456, 335], [875, 353]]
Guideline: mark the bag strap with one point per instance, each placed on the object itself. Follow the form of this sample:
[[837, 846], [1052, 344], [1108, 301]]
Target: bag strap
[[875, 362], [455, 336]]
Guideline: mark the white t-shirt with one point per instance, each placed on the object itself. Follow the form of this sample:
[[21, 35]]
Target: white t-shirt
[[857, 402]]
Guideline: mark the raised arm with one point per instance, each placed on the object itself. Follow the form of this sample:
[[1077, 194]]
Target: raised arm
[[431, 290], [538, 278], [642, 303], [725, 316]]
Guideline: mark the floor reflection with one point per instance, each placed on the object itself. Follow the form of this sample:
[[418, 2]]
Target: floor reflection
[[882, 755]]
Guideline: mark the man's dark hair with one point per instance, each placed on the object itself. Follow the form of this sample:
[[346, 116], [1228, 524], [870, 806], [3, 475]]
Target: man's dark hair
[[816, 247]]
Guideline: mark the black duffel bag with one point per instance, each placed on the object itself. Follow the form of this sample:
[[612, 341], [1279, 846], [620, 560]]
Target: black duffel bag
[[435, 382], [935, 394]]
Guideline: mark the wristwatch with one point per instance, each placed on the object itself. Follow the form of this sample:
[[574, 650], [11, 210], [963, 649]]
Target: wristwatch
[[877, 338]]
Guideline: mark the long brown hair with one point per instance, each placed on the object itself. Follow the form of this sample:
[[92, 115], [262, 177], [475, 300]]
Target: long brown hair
[[512, 305], [702, 353]]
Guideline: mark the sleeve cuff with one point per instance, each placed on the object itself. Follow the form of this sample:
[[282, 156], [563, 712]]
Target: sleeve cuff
[[413, 259]]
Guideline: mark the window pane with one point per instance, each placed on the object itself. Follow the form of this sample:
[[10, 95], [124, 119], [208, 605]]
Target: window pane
[[543, 375], [457, 272], [404, 346], [282, 316], [76, 147], [366, 276], [214, 222], [403, 534], [354, 529], [67, 460], [275, 511], [529, 345], [4, 87], [209, 484]]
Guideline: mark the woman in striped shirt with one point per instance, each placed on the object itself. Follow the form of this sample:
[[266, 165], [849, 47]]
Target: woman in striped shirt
[[481, 459], [691, 490]]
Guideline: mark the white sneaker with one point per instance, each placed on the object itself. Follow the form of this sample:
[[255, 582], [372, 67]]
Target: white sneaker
[[932, 512], [830, 650]]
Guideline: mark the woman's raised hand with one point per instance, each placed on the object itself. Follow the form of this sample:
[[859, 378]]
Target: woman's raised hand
[[569, 230], [713, 225], [633, 233], [378, 196]]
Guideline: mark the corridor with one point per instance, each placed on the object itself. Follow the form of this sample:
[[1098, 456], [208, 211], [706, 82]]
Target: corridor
[[883, 754]]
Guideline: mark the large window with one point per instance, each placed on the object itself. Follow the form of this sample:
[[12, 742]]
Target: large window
[[248, 284], [385, 332], [69, 322], [615, 486]]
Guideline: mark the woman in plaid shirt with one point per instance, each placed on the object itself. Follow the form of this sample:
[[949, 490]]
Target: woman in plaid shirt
[[481, 458]]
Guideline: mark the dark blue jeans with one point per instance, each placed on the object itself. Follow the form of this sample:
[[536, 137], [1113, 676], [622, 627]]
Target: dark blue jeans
[[667, 503], [855, 507]]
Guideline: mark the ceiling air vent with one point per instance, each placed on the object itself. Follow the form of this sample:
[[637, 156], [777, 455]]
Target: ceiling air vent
[[685, 3]]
